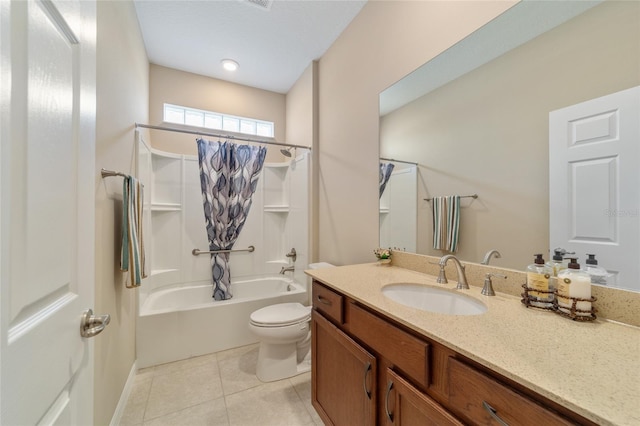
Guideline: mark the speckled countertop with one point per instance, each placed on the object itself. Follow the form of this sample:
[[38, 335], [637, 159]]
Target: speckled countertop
[[592, 368]]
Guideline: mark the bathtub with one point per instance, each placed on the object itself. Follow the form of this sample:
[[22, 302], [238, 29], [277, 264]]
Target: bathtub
[[184, 321]]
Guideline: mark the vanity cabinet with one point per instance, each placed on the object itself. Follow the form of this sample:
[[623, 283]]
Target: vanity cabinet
[[368, 369], [405, 405], [344, 376]]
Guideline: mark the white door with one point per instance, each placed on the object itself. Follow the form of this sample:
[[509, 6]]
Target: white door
[[47, 136], [594, 196]]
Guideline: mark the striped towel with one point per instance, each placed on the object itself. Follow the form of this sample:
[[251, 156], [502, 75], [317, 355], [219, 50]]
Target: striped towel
[[132, 254], [446, 222]]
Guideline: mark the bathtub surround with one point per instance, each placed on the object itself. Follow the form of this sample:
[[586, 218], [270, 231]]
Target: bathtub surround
[[228, 177]]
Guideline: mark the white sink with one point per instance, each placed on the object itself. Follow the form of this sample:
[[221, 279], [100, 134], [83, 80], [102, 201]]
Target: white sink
[[434, 299]]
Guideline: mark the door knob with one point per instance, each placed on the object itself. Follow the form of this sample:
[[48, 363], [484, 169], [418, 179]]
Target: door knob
[[90, 324]]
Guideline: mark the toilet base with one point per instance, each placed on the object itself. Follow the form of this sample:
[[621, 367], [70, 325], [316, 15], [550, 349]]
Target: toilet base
[[277, 362]]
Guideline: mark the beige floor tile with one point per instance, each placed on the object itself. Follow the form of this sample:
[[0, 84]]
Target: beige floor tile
[[210, 413], [238, 372], [185, 364], [134, 410], [275, 403], [302, 385], [183, 388], [237, 352]]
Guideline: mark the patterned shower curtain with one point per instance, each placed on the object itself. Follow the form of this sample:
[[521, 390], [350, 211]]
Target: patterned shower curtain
[[385, 174], [228, 177]]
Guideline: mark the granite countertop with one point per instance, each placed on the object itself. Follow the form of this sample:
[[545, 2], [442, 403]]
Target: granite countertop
[[592, 368]]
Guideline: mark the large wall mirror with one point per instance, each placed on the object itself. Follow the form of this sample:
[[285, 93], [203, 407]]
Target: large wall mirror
[[475, 120]]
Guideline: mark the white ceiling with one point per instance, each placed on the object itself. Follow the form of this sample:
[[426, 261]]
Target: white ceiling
[[273, 47]]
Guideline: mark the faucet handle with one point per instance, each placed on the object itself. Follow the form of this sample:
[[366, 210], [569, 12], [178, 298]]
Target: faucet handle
[[442, 276], [487, 289], [292, 254]]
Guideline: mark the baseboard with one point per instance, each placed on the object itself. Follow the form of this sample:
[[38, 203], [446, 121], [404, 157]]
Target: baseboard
[[124, 396]]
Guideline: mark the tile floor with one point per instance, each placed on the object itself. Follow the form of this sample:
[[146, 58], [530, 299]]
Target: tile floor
[[218, 389]]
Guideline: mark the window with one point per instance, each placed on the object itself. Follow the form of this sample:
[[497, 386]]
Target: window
[[217, 121]]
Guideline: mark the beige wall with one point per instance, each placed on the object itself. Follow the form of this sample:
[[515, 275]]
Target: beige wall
[[302, 129], [167, 85], [122, 99], [487, 132], [386, 41], [299, 110]]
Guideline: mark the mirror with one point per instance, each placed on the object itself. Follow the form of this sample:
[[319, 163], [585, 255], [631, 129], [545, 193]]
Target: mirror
[[476, 118]]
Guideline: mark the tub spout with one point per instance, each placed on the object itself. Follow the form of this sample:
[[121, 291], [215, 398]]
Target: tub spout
[[287, 269]]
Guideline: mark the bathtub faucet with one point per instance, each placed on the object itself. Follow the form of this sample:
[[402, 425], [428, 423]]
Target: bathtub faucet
[[287, 269]]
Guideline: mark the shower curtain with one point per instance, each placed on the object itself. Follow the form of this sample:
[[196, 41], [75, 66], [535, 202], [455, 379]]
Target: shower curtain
[[228, 177], [385, 174]]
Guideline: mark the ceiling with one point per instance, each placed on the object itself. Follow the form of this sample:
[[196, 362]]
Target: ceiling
[[273, 45]]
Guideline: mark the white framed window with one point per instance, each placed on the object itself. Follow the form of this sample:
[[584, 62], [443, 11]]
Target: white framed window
[[217, 121]]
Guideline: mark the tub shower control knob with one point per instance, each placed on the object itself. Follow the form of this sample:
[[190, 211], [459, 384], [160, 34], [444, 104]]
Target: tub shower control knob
[[292, 254]]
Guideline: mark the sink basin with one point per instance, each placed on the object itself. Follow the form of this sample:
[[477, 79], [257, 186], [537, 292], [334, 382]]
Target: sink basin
[[433, 299]]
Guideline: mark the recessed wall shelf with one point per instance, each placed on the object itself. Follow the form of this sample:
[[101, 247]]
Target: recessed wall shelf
[[276, 209], [164, 207]]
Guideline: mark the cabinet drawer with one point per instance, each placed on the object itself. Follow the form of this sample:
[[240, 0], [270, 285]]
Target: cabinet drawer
[[473, 395], [406, 352], [406, 405], [328, 302]]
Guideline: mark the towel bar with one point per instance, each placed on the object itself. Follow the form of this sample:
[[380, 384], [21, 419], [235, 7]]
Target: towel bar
[[197, 252], [462, 196]]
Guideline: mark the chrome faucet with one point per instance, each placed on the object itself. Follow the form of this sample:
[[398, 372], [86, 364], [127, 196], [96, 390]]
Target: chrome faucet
[[462, 278], [487, 256], [287, 269]]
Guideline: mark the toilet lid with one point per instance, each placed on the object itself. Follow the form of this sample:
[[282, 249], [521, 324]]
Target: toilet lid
[[281, 314]]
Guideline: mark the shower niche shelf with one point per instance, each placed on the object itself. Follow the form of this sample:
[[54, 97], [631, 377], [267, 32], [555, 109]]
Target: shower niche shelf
[[276, 209], [165, 207]]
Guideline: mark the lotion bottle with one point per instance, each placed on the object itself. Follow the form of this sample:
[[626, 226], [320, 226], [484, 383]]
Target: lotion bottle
[[538, 275], [574, 283]]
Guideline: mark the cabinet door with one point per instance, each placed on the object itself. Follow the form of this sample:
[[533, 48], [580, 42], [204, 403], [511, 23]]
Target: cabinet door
[[405, 405], [343, 376]]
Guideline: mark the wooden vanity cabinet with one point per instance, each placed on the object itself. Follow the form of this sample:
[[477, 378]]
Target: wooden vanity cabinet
[[370, 370], [346, 388], [344, 376], [407, 406]]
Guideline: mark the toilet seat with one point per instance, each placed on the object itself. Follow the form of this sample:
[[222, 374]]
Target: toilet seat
[[281, 315]]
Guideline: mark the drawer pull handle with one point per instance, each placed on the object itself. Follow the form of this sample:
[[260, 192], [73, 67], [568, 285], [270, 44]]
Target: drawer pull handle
[[367, 368], [492, 411], [386, 402], [323, 300]]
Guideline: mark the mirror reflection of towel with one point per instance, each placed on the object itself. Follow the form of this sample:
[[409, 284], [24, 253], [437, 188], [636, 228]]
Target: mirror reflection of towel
[[446, 222]]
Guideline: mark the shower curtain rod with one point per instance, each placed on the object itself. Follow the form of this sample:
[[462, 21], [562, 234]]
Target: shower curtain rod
[[398, 161], [218, 135]]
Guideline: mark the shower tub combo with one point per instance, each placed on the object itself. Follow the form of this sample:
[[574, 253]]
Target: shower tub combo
[[183, 321]]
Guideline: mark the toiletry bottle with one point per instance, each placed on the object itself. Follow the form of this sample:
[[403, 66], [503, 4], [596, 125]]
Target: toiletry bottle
[[558, 262], [574, 283], [538, 275], [598, 274]]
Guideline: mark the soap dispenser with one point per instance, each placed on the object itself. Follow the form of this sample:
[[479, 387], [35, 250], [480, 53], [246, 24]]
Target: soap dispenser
[[558, 262], [539, 289], [597, 273], [574, 283]]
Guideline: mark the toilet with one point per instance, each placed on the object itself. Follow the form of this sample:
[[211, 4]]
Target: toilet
[[285, 338]]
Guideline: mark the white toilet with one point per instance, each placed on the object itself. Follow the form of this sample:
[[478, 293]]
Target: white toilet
[[285, 338]]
